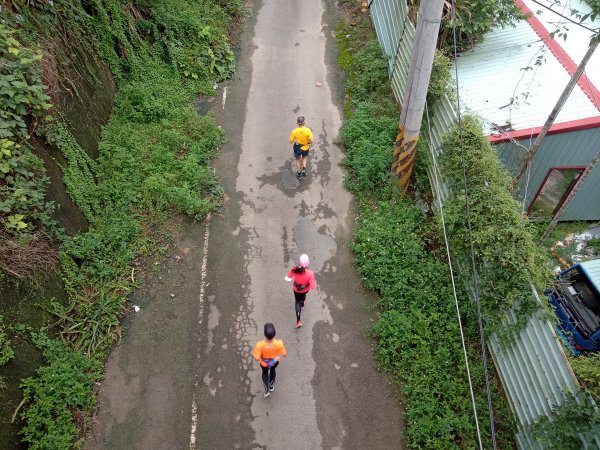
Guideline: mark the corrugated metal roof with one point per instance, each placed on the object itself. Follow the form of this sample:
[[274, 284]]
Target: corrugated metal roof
[[500, 82], [592, 270], [577, 37]]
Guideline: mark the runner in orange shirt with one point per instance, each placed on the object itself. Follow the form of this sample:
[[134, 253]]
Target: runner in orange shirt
[[267, 352]]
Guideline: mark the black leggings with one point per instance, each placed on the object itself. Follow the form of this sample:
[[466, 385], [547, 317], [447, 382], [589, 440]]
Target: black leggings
[[268, 375], [300, 298]]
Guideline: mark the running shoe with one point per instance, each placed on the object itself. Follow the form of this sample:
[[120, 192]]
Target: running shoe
[[272, 386], [303, 173], [299, 175], [298, 324], [267, 393]]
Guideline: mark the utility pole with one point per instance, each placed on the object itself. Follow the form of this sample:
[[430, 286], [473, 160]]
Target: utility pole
[[428, 26], [552, 117], [570, 197]]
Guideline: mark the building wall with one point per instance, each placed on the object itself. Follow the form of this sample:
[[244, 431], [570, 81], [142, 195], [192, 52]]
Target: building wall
[[575, 148]]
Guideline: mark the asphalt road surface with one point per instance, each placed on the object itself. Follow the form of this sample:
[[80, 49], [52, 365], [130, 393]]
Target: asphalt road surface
[[183, 376]]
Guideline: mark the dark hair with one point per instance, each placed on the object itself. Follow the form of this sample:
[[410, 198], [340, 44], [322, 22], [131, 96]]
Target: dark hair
[[298, 269], [300, 120], [269, 330]]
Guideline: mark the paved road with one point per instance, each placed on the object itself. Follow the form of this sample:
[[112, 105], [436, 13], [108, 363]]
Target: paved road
[[183, 376]]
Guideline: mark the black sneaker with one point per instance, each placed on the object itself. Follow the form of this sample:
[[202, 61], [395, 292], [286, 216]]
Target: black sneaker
[[272, 386], [299, 175], [303, 173], [267, 393]]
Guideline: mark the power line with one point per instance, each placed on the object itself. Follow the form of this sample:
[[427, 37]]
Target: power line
[[472, 250], [437, 184]]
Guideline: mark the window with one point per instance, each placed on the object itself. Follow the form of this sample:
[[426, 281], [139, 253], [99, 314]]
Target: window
[[554, 190]]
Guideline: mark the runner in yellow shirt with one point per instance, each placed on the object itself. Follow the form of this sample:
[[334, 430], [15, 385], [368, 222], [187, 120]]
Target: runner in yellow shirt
[[301, 137]]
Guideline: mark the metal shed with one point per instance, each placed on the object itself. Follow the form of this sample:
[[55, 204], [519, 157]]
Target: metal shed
[[512, 81]]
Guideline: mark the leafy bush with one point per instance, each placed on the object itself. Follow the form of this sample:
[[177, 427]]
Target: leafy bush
[[22, 176], [573, 423], [371, 73], [55, 394], [474, 18], [366, 69], [508, 258], [587, 370], [155, 155], [368, 139], [398, 255], [418, 339], [440, 80], [594, 243], [195, 46]]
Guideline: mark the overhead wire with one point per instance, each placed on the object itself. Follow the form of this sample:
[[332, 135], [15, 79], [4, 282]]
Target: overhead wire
[[437, 183], [472, 250]]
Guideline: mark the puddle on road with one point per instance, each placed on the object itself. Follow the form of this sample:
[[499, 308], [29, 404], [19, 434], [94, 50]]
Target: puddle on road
[[286, 177], [312, 241], [289, 180]]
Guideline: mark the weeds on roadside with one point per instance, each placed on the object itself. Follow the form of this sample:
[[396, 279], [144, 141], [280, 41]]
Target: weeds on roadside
[[399, 256], [154, 163]]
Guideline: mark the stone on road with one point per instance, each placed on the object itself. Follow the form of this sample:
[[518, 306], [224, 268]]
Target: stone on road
[[328, 394]]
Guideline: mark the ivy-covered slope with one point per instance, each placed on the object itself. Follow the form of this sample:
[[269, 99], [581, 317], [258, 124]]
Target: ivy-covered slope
[[153, 162]]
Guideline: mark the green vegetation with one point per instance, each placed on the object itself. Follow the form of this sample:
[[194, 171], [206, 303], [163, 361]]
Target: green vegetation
[[586, 368], [400, 256], [6, 351], [575, 422], [594, 244], [154, 162], [474, 18], [24, 212], [59, 389], [508, 259]]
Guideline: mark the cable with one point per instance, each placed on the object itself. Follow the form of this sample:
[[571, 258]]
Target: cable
[[437, 184], [472, 250]]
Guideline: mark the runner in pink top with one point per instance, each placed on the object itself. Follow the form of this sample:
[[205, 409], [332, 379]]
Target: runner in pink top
[[303, 281]]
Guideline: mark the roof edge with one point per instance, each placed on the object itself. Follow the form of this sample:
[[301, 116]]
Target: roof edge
[[559, 53], [556, 128]]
